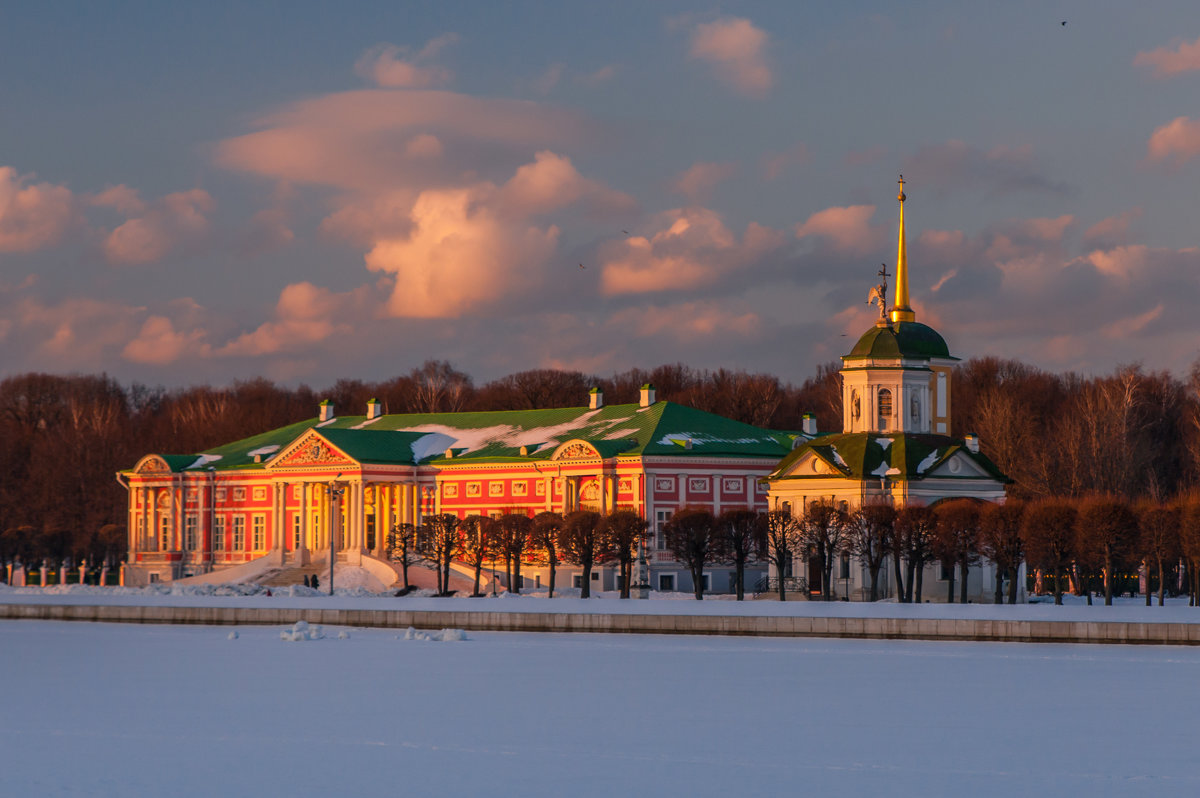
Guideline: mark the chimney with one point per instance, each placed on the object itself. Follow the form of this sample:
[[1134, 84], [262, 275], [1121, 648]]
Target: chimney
[[647, 395], [326, 410], [374, 409], [972, 441], [595, 399], [808, 424]]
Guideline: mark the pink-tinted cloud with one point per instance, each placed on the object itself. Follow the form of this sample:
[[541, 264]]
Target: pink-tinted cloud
[[693, 250], [360, 140], [1177, 141], [267, 231], [122, 199], [305, 315], [699, 180], [774, 165], [76, 332], [551, 182], [1113, 231], [393, 67], [159, 343], [1185, 57], [461, 253], [736, 49], [175, 222], [602, 75], [32, 215], [688, 321], [847, 230], [550, 78]]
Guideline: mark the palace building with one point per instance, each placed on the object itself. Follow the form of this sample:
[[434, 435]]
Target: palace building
[[266, 502], [896, 445], [272, 501]]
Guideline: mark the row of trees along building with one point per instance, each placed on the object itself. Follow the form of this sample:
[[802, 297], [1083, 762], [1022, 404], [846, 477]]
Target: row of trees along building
[[1131, 433]]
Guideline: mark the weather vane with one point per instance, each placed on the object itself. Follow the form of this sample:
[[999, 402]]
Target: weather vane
[[878, 295]]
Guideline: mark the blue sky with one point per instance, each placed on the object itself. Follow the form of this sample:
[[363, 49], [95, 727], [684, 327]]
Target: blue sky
[[310, 191]]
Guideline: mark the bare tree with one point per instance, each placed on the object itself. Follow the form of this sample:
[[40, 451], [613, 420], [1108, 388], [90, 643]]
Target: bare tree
[[515, 532], [1106, 534], [872, 527], [580, 543], [915, 527], [547, 527], [623, 531], [692, 537], [956, 540], [1158, 540], [1048, 528], [783, 540], [478, 543], [440, 543], [742, 538], [401, 543], [825, 534], [1002, 543]]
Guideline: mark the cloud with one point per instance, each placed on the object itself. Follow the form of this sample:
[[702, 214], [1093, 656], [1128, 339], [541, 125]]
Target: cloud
[[693, 250], [688, 321], [847, 230], [699, 180], [775, 164], [159, 343], [602, 75], [175, 222], [1166, 62], [864, 157], [546, 82], [267, 231], [1111, 232], [735, 49], [33, 216], [305, 315], [1177, 141], [391, 67], [551, 182], [122, 198], [76, 332], [369, 140], [955, 165]]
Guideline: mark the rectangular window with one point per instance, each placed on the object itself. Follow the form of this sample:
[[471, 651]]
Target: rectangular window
[[260, 494], [732, 485], [297, 532], [577, 581], [661, 517], [698, 485], [595, 576], [540, 488], [164, 532], [707, 580], [219, 533], [845, 574], [941, 393], [450, 491], [495, 488], [239, 533], [666, 582], [259, 532], [220, 494], [944, 572], [239, 494], [189, 532]]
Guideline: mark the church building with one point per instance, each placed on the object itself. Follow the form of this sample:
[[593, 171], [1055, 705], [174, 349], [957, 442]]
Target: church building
[[897, 445]]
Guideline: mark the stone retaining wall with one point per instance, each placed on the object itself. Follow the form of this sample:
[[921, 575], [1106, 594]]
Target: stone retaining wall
[[868, 628]]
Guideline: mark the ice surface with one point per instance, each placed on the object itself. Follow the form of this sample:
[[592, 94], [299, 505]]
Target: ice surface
[[133, 710]]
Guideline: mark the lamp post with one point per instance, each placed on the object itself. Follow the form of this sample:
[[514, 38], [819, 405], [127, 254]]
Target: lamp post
[[335, 525]]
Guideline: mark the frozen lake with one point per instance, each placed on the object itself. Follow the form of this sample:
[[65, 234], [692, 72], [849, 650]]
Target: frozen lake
[[114, 709]]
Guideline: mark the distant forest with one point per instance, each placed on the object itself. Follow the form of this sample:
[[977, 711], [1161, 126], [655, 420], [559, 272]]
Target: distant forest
[[62, 438]]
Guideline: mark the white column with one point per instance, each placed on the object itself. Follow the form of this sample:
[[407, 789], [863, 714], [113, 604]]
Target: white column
[[716, 492]]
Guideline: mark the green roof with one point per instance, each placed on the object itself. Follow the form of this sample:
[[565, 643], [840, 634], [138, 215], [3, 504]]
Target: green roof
[[663, 428], [900, 339], [869, 455]]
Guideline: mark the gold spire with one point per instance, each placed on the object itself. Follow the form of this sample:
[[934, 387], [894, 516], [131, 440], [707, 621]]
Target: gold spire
[[901, 310]]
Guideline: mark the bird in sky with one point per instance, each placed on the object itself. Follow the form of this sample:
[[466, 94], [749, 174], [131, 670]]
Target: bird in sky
[[626, 232], [1064, 23], [582, 266]]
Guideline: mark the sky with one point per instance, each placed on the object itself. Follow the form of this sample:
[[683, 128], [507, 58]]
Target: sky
[[208, 192]]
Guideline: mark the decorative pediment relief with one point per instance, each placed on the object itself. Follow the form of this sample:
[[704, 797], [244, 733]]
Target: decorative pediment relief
[[576, 450], [310, 451], [957, 465], [152, 464]]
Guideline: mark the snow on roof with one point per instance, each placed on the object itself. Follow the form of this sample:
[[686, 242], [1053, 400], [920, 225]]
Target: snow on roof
[[514, 437], [269, 449], [699, 439], [837, 457], [435, 443], [205, 459], [929, 460], [881, 470], [327, 423], [366, 423], [884, 442]]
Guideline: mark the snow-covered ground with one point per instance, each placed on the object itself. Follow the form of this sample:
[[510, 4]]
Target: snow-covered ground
[[112, 709], [357, 597]]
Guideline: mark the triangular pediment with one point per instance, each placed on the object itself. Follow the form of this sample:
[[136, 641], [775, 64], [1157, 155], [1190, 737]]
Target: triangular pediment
[[957, 465], [311, 450], [812, 465]]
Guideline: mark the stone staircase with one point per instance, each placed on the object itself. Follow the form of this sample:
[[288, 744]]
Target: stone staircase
[[283, 577]]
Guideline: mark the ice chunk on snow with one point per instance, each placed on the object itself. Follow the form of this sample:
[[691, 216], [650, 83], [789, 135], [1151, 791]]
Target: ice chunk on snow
[[301, 631], [233, 635], [442, 636]]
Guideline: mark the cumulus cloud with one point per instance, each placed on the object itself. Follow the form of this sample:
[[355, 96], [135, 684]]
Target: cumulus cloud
[[546, 82], [393, 67], [735, 49], [699, 180], [76, 332], [305, 315], [1111, 232], [32, 215], [158, 343], [122, 199], [688, 321], [1177, 141], [775, 164], [368, 140], [956, 165], [846, 229], [602, 75], [1185, 57], [694, 249], [551, 182], [175, 222]]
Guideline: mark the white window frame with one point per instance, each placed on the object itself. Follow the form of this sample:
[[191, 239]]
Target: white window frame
[[190, 526], [239, 532], [258, 532], [659, 582], [218, 541]]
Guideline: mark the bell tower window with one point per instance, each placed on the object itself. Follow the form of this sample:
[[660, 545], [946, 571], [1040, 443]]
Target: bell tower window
[[885, 409]]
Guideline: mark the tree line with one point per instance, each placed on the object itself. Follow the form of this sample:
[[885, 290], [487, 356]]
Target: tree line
[[1131, 433]]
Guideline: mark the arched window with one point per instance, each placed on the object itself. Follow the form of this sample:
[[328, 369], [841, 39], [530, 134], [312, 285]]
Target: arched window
[[885, 409]]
